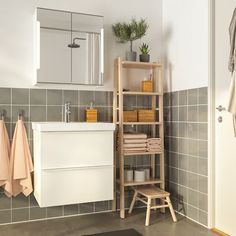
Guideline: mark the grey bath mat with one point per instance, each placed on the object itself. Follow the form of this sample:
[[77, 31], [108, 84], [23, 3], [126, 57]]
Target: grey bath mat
[[127, 232]]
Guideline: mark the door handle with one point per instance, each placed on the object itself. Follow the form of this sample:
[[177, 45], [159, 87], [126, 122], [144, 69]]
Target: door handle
[[220, 108]]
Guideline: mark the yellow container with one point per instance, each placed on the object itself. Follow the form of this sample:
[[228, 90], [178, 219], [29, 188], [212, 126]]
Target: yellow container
[[146, 115], [147, 86], [91, 115]]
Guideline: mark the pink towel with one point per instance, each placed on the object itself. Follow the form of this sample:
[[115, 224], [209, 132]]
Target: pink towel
[[154, 145], [154, 149], [4, 155], [154, 140], [21, 164], [135, 149], [135, 136]]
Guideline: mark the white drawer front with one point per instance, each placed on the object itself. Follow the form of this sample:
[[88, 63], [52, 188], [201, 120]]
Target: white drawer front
[[76, 149], [78, 185]]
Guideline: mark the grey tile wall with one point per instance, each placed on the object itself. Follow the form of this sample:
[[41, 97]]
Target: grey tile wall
[[47, 105], [186, 148]]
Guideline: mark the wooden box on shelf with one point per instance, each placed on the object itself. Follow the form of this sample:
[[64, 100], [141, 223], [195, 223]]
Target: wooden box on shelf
[[131, 116], [146, 116], [147, 86]]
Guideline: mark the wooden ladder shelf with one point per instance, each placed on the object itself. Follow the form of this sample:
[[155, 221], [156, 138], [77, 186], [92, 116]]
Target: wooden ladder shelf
[[118, 107]]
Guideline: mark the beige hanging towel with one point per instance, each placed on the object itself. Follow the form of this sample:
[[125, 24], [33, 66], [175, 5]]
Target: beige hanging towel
[[232, 100], [4, 155], [21, 164]]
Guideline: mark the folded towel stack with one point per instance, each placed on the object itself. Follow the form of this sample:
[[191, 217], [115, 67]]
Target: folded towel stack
[[135, 142], [154, 145]]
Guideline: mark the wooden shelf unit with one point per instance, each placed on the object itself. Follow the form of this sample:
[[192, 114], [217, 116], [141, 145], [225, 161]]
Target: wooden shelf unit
[[140, 153], [140, 93], [146, 182], [141, 123], [118, 97]]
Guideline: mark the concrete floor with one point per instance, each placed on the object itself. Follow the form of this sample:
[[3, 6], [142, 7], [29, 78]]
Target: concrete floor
[[161, 225]]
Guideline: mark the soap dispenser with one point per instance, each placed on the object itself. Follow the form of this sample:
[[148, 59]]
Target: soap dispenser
[[91, 114]]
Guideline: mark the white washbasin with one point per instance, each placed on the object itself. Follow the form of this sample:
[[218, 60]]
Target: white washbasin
[[72, 126]]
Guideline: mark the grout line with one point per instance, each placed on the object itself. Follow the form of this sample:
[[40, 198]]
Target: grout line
[[205, 226], [186, 122], [46, 105], [188, 138], [190, 172], [187, 105], [187, 154], [56, 217], [29, 129], [206, 194], [63, 98], [188, 204], [11, 127]]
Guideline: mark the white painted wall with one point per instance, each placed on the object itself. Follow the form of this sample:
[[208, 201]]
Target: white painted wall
[[17, 33], [185, 42]]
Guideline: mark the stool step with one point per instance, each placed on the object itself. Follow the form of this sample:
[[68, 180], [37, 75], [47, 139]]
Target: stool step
[[153, 192]]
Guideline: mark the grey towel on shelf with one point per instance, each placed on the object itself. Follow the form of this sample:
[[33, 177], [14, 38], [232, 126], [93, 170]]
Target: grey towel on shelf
[[232, 34], [232, 100], [232, 60]]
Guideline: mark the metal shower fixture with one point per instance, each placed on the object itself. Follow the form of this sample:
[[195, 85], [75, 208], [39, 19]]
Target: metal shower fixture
[[75, 45]]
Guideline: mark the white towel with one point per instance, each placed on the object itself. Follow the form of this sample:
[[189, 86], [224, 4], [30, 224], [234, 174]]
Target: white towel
[[232, 100]]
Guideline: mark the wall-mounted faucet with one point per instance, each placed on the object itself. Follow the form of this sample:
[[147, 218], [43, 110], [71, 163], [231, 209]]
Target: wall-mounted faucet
[[67, 112]]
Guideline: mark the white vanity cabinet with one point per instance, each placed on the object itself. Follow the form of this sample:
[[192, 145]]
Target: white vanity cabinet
[[73, 163]]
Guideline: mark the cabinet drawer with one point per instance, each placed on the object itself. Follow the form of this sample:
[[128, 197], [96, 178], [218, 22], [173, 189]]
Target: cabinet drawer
[[82, 149], [78, 185]]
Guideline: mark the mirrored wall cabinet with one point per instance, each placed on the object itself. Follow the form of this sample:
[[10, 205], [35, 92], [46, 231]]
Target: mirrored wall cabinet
[[71, 48]]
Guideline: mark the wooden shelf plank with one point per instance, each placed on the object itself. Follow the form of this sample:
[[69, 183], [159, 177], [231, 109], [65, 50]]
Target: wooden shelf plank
[[141, 153], [141, 123], [157, 109], [140, 65], [146, 182], [134, 93]]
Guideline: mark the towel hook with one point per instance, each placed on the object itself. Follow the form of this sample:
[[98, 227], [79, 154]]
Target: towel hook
[[2, 115], [20, 116]]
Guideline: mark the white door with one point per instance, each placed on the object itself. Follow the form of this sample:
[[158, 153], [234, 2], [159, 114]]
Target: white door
[[225, 142]]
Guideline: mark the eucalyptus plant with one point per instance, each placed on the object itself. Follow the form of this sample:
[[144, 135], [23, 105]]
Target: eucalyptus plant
[[129, 32]]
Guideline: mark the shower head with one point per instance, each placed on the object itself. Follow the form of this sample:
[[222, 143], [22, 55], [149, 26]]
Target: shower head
[[75, 45]]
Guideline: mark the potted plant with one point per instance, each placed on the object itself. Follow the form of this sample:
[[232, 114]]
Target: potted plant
[[129, 32], [144, 56]]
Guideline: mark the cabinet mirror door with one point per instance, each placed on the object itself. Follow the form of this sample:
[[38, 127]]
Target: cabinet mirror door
[[71, 48]]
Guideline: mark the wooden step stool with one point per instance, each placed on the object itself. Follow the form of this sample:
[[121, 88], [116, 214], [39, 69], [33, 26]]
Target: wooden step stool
[[152, 193]]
